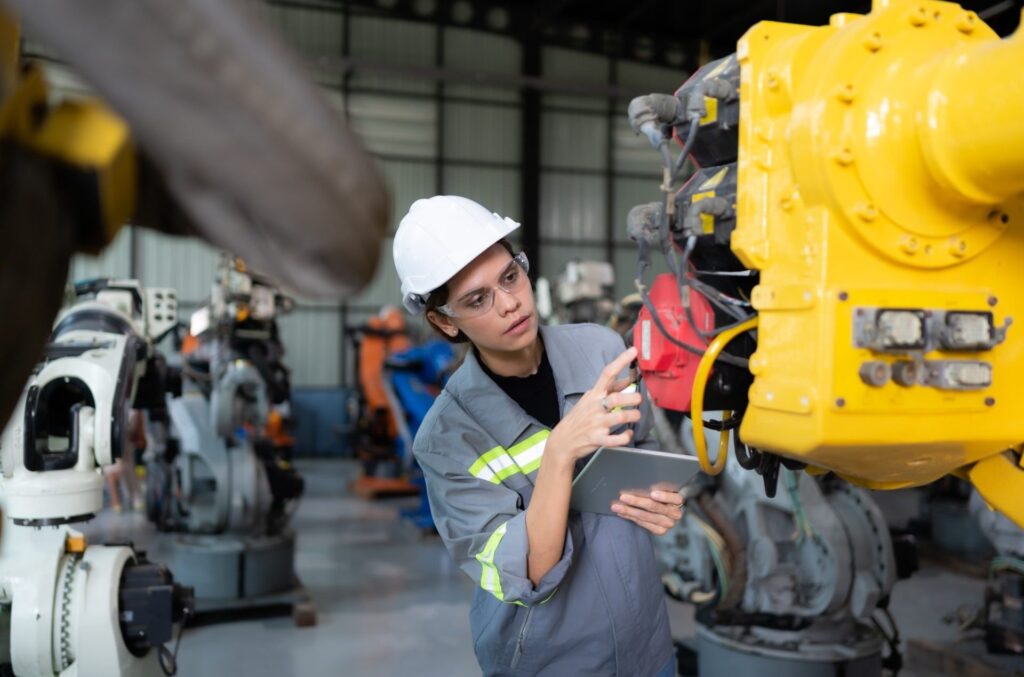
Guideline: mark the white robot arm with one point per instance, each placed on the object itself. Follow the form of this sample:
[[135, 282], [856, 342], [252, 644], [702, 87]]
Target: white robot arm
[[72, 608]]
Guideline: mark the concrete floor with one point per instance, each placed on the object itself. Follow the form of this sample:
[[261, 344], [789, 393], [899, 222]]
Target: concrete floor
[[388, 601], [391, 602]]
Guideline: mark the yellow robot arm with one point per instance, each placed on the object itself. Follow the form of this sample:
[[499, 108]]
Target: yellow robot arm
[[881, 172]]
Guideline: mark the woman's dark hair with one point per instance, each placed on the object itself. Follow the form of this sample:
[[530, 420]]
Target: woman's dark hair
[[439, 297]]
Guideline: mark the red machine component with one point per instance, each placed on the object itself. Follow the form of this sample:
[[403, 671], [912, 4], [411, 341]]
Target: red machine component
[[669, 369]]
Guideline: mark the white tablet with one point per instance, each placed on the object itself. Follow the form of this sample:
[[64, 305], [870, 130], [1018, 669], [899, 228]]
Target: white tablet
[[613, 471]]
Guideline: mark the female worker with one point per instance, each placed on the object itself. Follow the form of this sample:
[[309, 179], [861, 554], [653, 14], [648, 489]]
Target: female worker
[[558, 593]]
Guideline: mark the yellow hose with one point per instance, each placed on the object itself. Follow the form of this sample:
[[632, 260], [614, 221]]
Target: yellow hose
[[700, 382]]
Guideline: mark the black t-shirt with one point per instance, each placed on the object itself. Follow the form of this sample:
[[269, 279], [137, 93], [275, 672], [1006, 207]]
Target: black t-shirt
[[536, 394]]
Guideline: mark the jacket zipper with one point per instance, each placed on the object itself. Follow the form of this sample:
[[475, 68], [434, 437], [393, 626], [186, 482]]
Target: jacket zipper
[[522, 635]]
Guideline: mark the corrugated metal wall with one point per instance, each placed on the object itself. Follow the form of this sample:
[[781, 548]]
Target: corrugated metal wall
[[455, 137]]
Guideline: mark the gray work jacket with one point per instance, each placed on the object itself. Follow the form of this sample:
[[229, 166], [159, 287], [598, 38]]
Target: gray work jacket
[[601, 609]]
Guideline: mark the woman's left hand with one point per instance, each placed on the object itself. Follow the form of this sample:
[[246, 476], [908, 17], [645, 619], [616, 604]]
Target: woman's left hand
[[657, 514]]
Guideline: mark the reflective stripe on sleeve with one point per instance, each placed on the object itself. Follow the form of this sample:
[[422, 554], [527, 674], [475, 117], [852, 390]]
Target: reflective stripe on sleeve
[[490, 580], [500, 463], [528, 453]]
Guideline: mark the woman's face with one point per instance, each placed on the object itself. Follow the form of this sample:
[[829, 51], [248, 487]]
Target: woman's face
[[511, 323]]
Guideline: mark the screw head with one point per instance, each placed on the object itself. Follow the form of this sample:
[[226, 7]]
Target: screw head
[[840, 402], [990, 401], [966, 22], [866, 211], [992, 301], [847, 93], [843, 296], [843, 156], [873, 42]]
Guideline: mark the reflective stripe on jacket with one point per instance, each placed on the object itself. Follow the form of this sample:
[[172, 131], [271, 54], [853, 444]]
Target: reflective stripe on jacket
[[601, 609]]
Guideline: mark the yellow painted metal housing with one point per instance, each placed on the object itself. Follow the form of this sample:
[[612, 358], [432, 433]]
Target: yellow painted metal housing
[[89, 142], [881, 164]]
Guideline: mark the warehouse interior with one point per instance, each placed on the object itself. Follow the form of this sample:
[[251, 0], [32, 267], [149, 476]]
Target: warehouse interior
[[217, 368]]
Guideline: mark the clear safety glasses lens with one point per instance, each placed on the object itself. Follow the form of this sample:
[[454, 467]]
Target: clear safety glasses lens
[[511, 281]]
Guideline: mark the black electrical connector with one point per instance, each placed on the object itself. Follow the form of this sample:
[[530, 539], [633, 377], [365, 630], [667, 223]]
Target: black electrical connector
[[149, 604]]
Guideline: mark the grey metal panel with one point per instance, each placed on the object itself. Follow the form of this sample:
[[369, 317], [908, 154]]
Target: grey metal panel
[[632, 152], [627, 192], [394, 42], [312, 32], [469, 49], [385, 288], [573, 140], [409, 181], [476, 51], [395, 126], [183, 263], [385, 82], [496, 189], [481, 132], [114, 261], [572, 206], [643, 76], [591, 105], [481, 93], [566, 64], [312, 338]]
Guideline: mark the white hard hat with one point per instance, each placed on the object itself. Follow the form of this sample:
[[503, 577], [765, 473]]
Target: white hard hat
[[438, 238]]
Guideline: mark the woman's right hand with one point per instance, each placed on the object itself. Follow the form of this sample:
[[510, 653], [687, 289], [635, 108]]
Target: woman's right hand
[[589, 423]]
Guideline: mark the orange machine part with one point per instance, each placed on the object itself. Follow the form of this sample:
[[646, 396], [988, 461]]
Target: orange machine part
[[189, 344], [386, 335], [276, 431]]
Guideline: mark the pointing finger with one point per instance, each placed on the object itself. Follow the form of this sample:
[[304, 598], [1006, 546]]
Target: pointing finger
[[614, 368]]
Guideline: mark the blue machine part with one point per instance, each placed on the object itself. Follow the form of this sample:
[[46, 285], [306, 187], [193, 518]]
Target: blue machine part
[[325, 419], [415, 376]]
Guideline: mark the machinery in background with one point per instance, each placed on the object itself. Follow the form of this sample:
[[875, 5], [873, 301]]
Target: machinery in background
[[845, 266], [957, 531], [377, 427], [398, 383], [226, 484], [413, 379], [69, 607], [625, 316], [796, 583], [948, 524], [1003, 612], [582, 292]]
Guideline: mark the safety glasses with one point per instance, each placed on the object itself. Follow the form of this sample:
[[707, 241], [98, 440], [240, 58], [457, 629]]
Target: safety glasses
[[512, 280]]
